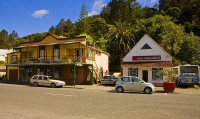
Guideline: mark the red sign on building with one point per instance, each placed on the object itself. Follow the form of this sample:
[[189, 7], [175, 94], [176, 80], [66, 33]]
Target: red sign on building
[[153, 57]]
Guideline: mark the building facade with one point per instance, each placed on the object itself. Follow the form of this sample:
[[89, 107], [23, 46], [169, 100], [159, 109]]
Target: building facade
[[66, 59], [146, 60]]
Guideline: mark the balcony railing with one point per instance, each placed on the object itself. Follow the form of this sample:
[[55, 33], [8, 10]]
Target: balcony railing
[[54, 59]]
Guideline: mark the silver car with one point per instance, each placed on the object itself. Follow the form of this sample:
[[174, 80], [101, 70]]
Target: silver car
[[131, 83], [108, 80], [44, 80]]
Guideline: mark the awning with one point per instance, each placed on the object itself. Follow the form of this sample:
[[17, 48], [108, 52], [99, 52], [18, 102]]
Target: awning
[[147, 64]]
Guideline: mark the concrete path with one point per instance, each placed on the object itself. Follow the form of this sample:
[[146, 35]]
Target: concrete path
[[158, 89]]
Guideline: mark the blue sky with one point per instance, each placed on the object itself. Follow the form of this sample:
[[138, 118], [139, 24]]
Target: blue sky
[[35, 16]]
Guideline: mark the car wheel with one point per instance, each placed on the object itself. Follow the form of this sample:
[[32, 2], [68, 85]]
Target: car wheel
[[35, 84], [53, 85], [148, 90], [120, 89]]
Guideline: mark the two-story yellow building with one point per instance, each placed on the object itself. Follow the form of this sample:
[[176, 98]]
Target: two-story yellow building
[[66, 59]]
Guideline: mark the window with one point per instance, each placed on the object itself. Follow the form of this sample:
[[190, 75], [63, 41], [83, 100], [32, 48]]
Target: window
[[45, 78], [29, 72], [56, 52], [34, 77], [13, 58], [42, 50], [40, 78], [31, 55], [126, 79], [156, 74], [133, 72], [134, 79], [48, 72]]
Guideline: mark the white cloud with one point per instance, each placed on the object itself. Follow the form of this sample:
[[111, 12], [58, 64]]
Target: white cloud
[[152, 1], [96, 7], [40, 13]]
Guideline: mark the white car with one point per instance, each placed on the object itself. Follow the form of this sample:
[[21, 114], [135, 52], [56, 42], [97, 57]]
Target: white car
[[131, 83], [44, 80]]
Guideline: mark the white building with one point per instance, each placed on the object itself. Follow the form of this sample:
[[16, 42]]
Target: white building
[[145, 60]]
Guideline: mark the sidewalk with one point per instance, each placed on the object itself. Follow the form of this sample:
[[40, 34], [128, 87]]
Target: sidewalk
[[158, 89]]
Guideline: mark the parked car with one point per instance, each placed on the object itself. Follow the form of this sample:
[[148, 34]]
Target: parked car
[[44, 80], [131, 83], [108, 80]]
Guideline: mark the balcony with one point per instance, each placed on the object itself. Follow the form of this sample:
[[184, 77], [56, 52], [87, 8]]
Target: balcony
[[62, 59]]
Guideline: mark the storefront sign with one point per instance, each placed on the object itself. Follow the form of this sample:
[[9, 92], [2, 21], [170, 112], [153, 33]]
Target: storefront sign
[[153, 57]]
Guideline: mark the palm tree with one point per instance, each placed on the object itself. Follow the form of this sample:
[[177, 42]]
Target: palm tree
[[120, 39]]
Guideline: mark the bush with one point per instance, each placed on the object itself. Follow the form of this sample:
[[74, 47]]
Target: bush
[[196, 86]]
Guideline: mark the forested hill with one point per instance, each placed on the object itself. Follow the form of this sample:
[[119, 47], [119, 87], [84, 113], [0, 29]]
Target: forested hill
[[173, 24]]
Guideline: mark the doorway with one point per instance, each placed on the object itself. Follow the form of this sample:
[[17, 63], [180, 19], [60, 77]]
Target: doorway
[[145, 75]]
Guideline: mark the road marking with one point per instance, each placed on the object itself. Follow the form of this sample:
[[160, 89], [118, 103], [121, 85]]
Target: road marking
[[60, 94]]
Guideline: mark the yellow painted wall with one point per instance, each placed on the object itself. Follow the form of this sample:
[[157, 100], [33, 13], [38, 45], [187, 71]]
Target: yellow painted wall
[[49, 51], [10, 67], [9, 56], [49, 39]]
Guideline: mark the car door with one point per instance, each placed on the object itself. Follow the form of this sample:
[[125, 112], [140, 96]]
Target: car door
[[39, 80], [137, 84], [126, 83], [46, 81]]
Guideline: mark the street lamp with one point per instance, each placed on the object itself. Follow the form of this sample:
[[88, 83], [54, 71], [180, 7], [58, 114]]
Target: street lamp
[[76, 64]]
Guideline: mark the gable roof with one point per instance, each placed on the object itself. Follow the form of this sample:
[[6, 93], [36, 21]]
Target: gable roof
[[139, 49], [58, 40]]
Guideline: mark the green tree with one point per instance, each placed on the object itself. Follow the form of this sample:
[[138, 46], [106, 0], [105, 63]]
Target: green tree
[[164, 31], [52, 30], [84, 12], [190, 51], [124, 10], [120, 40], [97, 29], [60, 27], [184, 12], [4, 39]]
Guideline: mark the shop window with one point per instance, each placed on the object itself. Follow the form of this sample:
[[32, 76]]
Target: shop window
[[133, 72], [156, 74], [48, 72], [146, 46], [57, 73], [39, 71]]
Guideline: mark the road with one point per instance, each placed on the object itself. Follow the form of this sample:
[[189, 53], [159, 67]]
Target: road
[[27, 102]]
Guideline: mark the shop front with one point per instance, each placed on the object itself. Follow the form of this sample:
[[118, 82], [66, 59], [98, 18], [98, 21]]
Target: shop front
[[146, 60]]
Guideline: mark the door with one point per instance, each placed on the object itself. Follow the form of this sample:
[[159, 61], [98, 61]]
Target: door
[[39, 80], [13, 75], [46, 82], [145, 75], [137, 84], [127, 83]]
